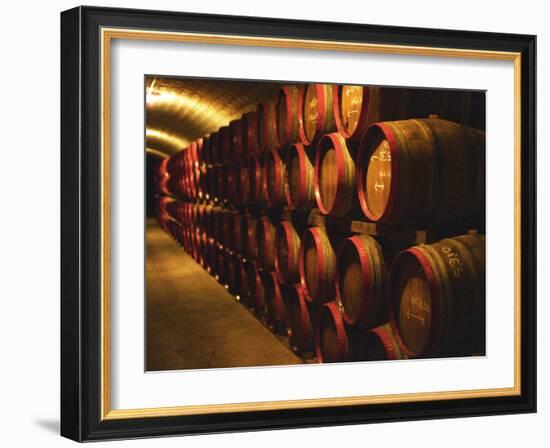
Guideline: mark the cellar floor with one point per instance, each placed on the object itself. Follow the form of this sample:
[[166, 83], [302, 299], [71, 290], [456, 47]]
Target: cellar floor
[[193, 322]]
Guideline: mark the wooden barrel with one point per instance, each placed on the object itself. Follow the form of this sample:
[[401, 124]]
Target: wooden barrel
[[357, 107], [256, 180], [242, 183], [212, 256], [361, 281], [239, 236], [244, 283], [213, 183], [251, 143], [217, 221], [300, 187], [209, 220], [256, 289], [331, 339], [251, 242], [299, 322], [267, 127], [221, 272], [274, 178], [233, 274], [206, 153], [225, 144], [227, 229], [317, 265], [216, 148], [221, 182], [265, 241], [334, 178], [236, 131], [275, 306], [288, 116], [287, 250], [422, 173], [317, 111], [437, 298], [377, 344]]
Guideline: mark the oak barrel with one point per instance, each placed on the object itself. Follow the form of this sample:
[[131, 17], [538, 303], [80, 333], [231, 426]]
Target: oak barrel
[[331, 340], [251, 143], [299, 322], [317, 265], [275, 306], [377, 344], [236, 131], [317, 112], [288, 115], [427, 172], [300, 187], [436, 298], [361, 281], [256, 180], [287, 251], [274, 178], [265, 240], [267, 127], [334, 176], [256, 289]]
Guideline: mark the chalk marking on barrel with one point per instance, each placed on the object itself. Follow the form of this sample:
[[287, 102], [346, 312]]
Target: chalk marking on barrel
[[420, 318]]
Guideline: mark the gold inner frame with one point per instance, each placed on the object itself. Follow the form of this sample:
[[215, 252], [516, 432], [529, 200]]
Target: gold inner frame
[[107, 35]]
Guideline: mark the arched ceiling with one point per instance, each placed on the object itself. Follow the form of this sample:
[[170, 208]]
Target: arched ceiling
[[180, 110]]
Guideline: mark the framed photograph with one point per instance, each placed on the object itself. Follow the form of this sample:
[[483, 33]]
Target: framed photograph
[[275, 224]]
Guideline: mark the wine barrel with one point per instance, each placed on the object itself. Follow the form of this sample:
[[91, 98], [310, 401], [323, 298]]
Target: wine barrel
[[316, 107], [209, 220], [224, 174], [239, 236], [255, 180], [437, 298], [274, 178], [243, 294], [299, 322], [422, 173], [288, 116], [334, 178], [225, 144], [299, 174], [236, 131], [250, 139], [267, 127], [287, 250], [216, 147], [227, 229], [251, 241], [275, 306], [233, 274], [242, 183], [361, 281], [265, 242], [217, 221], [213, 183], [331, 341], [221, 273], [256, 289], [317, 265], [378, 344], [206, 153], [357, 107], [212, 256]]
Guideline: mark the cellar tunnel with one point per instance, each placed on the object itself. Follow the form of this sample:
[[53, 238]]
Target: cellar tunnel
[[281, 229]]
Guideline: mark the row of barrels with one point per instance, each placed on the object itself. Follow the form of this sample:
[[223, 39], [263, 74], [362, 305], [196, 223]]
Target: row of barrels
[[335, 290], [303, 113], [413, 173]]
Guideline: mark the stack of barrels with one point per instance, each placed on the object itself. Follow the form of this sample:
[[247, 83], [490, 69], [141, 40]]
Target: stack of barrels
[[240, 201]]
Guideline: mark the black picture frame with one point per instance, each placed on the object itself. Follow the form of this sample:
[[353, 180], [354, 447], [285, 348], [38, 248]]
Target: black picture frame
[[81, 213]]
